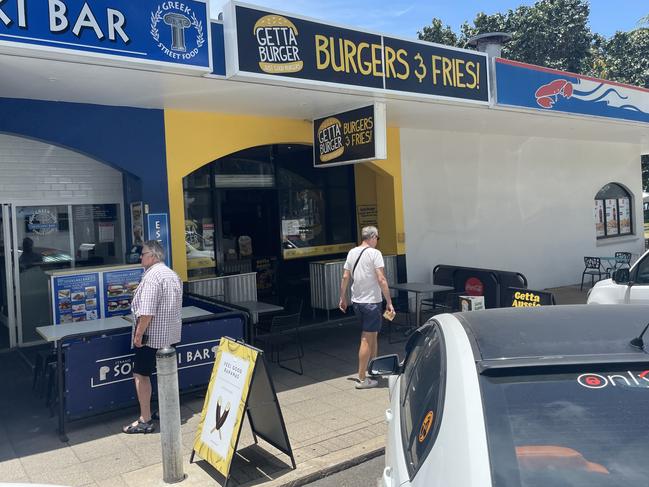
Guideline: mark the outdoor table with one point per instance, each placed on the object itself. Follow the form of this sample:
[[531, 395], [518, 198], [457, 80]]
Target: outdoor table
[[419, 288], [57, 334], [256, 308]]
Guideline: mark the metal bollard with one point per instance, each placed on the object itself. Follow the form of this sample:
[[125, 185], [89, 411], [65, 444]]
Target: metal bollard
[[169, 405]]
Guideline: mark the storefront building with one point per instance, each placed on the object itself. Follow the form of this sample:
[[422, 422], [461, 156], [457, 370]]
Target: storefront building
[[488, 163]]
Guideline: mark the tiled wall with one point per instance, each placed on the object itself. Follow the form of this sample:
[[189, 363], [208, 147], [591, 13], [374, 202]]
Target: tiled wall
[[36, 172]]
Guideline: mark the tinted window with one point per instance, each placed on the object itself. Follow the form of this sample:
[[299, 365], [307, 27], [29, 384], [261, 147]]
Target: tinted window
[[642, 272], [422, 390], [585, 428]]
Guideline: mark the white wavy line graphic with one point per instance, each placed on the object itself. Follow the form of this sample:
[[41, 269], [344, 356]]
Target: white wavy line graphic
[[612, 95]]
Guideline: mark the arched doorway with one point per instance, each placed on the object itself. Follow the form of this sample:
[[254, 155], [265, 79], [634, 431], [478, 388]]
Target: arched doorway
[[266, 209], [59, 209]]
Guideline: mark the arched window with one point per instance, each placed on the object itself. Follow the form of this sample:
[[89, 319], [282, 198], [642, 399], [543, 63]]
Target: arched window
[[613, 215]]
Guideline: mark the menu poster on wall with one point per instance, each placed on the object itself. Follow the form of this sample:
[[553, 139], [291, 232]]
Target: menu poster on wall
[[137, 223], [368, 215], [625, 215], [119, 287], [75, 298], [599, 218], [611, 217]]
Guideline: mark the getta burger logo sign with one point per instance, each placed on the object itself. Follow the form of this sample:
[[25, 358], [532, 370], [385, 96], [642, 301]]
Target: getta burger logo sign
[[350, 137], [277, 45]]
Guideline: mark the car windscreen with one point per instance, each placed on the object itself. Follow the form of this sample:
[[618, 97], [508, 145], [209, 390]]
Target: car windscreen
[[582, 427]]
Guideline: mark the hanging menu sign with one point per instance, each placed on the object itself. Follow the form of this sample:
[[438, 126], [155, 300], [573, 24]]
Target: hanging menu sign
[[285, 49], [119, 287], [75, 297], [350, 137]]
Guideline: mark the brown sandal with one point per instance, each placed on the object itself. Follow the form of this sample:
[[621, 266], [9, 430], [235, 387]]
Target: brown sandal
[[140, 426]]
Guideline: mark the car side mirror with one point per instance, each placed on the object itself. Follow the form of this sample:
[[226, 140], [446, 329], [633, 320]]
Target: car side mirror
[[621, 276], [384, 365]]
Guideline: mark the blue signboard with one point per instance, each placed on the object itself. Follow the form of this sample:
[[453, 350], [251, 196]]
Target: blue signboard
[[75, 298], [158, 225], [119, 287], [154, 32], [99, 370], [525, 85]]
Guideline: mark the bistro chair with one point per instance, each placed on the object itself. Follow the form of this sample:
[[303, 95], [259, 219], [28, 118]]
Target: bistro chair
[[292, 305], [283, 336], [622, 261], [593, 267]]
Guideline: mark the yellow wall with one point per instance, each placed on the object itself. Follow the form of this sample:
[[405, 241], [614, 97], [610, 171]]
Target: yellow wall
[[195, 139], [379, 183]]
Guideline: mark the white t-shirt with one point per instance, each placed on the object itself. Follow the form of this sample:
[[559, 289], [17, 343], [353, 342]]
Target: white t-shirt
[[365, 284]]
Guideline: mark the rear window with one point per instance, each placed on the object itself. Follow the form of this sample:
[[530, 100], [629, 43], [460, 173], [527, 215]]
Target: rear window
[[582, 428]]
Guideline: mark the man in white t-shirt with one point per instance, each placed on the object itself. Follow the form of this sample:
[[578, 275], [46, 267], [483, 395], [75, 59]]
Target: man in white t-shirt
[[364, 266]]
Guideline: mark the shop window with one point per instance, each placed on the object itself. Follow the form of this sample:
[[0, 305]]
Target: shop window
[[97, 235], [612, 212], [314, 206], [199, 233], [245, 211]]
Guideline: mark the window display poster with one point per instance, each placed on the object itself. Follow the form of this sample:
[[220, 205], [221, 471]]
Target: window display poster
[[225, 404], [599, 218], [625, 215], [119, 287], [137, 223], [368, 215], [611, 217], [208, 236], [106, 232], [75, 298]]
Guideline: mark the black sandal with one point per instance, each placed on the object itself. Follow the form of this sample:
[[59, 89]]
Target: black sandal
[[143, 427]]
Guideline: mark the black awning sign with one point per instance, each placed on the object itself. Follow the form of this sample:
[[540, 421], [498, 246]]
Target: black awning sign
[[285, 49], [350, 137]]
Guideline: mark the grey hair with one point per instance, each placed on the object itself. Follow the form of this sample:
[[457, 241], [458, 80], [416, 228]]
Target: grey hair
[[156, 249], [369, 232]]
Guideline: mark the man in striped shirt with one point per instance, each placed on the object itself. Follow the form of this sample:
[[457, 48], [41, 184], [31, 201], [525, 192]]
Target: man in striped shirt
[[156, 307]]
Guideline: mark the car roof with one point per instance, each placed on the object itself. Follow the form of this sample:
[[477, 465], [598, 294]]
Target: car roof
[[563, 333]]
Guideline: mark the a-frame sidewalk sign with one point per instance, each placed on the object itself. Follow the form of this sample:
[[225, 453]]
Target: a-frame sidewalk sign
[[240, 384]]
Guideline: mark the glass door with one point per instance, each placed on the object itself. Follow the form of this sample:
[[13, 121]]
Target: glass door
[[43, 241], [7, 303]]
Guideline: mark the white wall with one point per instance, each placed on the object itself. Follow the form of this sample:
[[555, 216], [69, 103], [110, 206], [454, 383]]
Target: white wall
[[511, 203], [33, 172]]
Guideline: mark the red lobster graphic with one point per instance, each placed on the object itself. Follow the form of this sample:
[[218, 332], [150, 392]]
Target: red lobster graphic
[[546, 95]]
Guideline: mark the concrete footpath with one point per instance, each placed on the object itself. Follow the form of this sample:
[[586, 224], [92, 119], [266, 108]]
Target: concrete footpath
[[331, 425]]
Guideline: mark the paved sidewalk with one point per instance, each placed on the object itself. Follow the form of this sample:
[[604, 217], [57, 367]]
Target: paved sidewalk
[[330, 425]]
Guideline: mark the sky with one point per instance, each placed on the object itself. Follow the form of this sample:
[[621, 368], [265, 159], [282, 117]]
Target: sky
[[403, 18]]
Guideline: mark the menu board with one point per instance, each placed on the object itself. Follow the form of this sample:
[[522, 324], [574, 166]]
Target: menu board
[[75, 298], [118, 289], [625, 215], [611, 217], [599, 218]]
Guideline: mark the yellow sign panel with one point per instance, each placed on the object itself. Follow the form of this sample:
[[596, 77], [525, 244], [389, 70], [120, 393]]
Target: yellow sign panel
[[317, 250], [225, 404]]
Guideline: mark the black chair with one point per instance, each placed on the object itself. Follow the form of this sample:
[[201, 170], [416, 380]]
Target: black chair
[[283, 334], [622, 260], [401, 321], [292, 305], [593, 267]]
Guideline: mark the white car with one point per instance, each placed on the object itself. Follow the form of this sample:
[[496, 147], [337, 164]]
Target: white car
[[627, 286], [520, 397]]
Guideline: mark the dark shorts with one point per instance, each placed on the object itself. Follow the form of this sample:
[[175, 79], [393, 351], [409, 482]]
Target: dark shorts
[[144, 362], [369, 316]]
